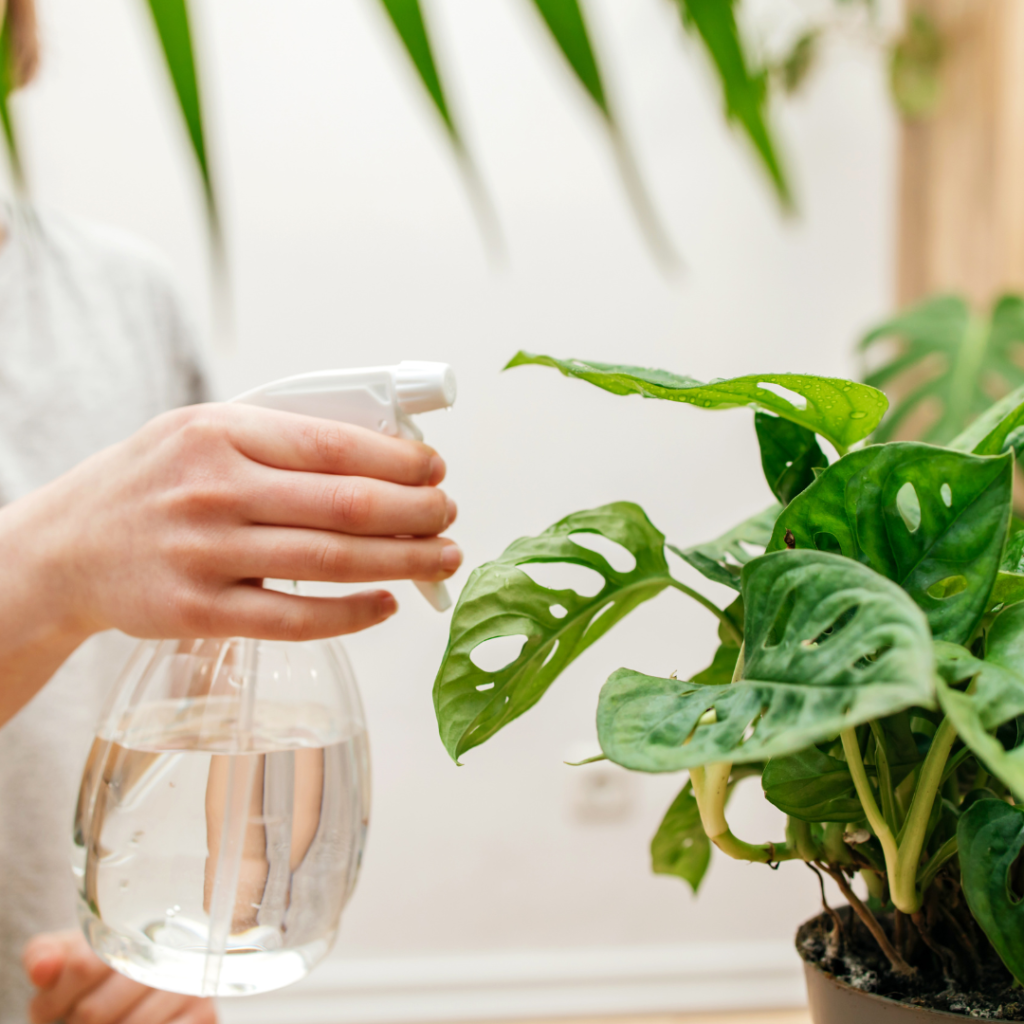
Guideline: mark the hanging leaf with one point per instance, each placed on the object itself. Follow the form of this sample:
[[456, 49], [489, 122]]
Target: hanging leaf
[[812, 786], [171, 19], [8, 83], [959, 356], [501, 600], [744, 91], [789, 455], [914, 66], [568, 28], [722, 559], [829, 644], [931, 519], [680, 847], [990, 837], [839, 410]]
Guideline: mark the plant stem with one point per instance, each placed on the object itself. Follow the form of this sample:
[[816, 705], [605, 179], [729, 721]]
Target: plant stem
[[928, 872], [768, 853], [885, 789], [899, 965], [905, 894], [876, 819], [731, 628]]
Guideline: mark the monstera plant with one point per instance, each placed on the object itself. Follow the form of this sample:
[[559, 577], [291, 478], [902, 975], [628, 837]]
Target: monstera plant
[[870, 671]]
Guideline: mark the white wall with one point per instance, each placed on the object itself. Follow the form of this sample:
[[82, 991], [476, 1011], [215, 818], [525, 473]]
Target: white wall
[[351, 242]]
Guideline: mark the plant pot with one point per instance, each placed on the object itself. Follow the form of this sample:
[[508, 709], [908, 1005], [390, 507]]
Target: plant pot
[[833, 1001]]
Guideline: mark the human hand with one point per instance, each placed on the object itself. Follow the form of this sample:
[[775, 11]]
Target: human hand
[[170, 533], [76, 987]]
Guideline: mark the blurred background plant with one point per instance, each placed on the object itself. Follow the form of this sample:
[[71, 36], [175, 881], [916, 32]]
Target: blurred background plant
[[750, 65]]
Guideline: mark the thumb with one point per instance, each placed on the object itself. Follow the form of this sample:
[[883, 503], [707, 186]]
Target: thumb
[[43, 960]]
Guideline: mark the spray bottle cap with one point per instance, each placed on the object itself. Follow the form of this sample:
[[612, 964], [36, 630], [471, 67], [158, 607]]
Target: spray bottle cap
[[421, 387]]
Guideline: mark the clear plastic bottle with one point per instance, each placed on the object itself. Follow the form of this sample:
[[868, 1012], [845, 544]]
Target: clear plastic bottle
[[224, 805]]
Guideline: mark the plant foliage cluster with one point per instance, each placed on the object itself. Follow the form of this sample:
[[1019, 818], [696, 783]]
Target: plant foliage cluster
[[870, 668]]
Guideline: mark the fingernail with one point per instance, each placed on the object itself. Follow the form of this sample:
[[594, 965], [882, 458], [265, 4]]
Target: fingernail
[[388, 604], [437, 469], [453, 511], [451, 557]]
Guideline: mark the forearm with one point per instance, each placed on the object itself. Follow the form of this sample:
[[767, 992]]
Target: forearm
[[38, 629]]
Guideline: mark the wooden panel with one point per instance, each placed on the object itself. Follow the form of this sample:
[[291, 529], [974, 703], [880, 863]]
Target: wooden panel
[[961, 223]]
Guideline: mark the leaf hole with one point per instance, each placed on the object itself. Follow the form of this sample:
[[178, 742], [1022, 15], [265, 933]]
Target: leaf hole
[[687, 842], [551, 653], [748, 732], [949, 587], [494, 654], [559, 611], [908, 504], [795, 400], [946, 493], [828, 542], [840, 622], [483, 686], [754, 550], [565, 576], [590, 625], [619, 557]]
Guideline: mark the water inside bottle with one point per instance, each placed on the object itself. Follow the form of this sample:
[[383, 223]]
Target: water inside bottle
[[149, 836]]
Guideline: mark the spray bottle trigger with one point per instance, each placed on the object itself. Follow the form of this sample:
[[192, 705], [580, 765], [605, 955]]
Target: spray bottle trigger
[[436, 593]]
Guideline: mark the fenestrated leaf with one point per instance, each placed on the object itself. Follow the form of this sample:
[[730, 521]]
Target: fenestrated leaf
[[744, 90], [680, 846], [501, 600], [990, 836], [722, 559], [789, 455], [948, 560], [988, 434], [997, 695], [839, 410], [957, 353], [812, 786], [171, 20], [829, 644]]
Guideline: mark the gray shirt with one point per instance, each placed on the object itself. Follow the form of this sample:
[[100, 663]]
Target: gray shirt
[[93, 343]]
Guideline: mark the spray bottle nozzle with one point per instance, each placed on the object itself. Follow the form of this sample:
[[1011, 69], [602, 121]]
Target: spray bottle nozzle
[[423, 387]]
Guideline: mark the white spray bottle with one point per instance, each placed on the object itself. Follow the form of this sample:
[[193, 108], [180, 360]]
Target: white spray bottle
[[223, 808]]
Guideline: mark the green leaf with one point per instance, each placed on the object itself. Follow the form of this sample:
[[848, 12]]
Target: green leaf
[[996, 697], [680, 846], [988, 434], [839, 410], [568, 28], [829, 644], [789, 455], [171, 19], [7, 86], [722, 666], [722, 559], [914, 66], [501, 600], [953, 357], [407, 17], [886, 506], [812, 786], [745, 92], [990, 836]]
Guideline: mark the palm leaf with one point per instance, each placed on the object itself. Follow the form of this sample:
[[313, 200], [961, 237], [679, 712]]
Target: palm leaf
[[7, 85], [745, 91], [171, 19], [407, 18], [568, 27]]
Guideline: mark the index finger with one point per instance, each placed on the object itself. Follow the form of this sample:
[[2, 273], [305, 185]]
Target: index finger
[[82, 971], [286, 440]]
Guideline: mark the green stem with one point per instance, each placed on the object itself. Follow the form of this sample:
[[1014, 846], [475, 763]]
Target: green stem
[[885, 790], [769, 853], [723, 617], [944, 853], [955, 761], [799, 838], [905, 894], [875, 817]]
